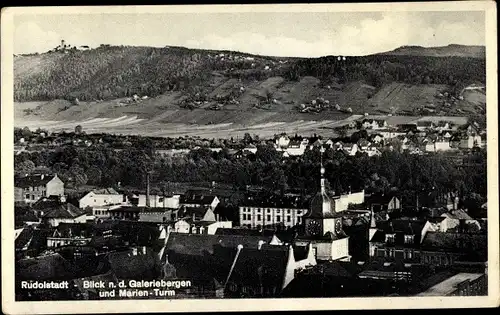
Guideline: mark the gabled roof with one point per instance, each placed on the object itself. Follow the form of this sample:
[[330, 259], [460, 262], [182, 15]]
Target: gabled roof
[[105, 191], [197, 199], [33, 181], [379, 199], [255, 267], [47, 203], [50, 267], [457, 214], [125, 265], [64, 211], [455, 242], [200, 245], [199, 212]]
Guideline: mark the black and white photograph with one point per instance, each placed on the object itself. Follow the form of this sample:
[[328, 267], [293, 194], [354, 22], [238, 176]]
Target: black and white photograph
[[257, 155]]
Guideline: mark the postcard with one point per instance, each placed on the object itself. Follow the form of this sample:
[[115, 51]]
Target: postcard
[[249, 157]]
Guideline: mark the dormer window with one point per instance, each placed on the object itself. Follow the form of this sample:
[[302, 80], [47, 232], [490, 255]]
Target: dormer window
[[409, 239], [389, 238]]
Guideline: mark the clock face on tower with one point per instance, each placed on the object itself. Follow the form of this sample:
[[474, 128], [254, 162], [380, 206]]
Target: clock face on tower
[[338, 226], [313, 228]]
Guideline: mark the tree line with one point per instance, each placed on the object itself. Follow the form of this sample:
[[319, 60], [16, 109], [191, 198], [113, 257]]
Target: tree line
[[406, 174]]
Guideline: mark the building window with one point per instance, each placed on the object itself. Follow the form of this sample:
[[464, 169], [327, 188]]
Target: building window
[[268, 217], [259, 210], [28, 196], [389, 238], [288, 219], [268, 210], [244, 216], [288, 211], [249, 217], [409, 239], [278, 218], [259, 217], [299, 211]]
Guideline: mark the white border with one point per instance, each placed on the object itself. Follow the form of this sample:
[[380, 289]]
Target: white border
[[125, 306]]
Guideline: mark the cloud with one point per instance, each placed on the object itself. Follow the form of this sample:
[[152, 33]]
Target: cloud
[[29, 37]]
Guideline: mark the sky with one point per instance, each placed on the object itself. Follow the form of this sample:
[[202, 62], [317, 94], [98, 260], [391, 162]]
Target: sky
[[294, 34]]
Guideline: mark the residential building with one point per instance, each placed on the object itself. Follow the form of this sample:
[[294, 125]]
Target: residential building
[[342, 202], [64, 213], [30, 188], [156, 201], [395, 240], [282, 141], [235, 265], [257, 212], [383, 202], [158, 215], [449, 248], [194, 200], [469, 141], [101, 198], [423, 125]]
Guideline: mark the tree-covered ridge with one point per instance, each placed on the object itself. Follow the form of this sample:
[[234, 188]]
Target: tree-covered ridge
[[112, 72]]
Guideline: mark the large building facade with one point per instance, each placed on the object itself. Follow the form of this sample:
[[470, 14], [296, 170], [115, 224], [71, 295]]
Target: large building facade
[[262, 216]]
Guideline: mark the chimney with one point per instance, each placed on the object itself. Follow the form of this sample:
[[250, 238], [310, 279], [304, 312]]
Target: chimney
[[147, 191], [261, 242]]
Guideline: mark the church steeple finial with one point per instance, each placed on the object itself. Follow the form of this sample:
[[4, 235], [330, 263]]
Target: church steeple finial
[[322, 171]]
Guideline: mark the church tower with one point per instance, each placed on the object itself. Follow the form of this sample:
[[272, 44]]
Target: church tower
[[322, 218]]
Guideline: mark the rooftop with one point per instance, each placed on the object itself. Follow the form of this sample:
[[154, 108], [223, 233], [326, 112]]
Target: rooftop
[[33, 180], [449, 285], [64, 211]]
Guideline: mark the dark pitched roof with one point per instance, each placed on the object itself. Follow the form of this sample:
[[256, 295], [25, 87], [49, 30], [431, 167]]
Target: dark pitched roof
[[379, 199], [455, 242], [105, 191], [50, 267], [199, 212], [64, 211], [241, 231], [300, 252], [200, 245], [197, 199], [255, 267], [47, 203], [34, 238], [126, 265], [32, 181]]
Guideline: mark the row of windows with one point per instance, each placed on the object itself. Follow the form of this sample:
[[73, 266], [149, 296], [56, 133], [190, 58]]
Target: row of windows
[[268, 217], [261, 210], [31, 197], [37, 188], [408, 239]]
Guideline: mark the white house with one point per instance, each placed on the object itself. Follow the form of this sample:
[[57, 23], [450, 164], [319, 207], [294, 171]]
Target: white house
[[282, 141], [470, 141], [101, 198], [158, 201]]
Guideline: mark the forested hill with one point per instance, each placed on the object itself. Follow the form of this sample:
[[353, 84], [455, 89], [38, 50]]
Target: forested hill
[[444, 51], [110, 72]]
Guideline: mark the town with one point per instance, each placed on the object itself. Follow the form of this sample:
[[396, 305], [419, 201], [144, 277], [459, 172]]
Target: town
[[385, 206]]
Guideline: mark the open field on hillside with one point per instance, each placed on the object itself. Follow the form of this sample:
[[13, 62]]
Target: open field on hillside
[[199, 122]]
